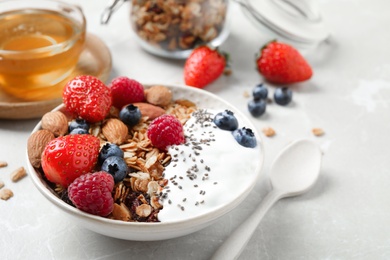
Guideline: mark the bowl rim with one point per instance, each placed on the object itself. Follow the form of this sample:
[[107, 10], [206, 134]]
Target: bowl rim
[[208, 216]]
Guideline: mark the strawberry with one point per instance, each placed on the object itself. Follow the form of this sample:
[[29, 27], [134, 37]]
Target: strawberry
[[67, 157], [203, 66], [282, 64], [126, 91], [87, 97]]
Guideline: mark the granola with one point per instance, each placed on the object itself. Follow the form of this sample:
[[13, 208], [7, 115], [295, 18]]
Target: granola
[[177, 24], [137, 197]]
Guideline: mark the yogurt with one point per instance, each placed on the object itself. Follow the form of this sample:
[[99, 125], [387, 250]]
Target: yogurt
[[209, 170]]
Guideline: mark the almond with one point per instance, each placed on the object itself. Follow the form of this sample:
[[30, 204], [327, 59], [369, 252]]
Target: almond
[[149, 110], [36, 143], [158, 95], [56, 122], [115, 131]]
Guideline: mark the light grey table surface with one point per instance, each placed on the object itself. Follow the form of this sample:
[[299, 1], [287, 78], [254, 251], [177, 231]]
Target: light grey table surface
[[347, 213]]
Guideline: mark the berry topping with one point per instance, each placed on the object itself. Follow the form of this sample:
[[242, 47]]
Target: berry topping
[[67, 157], [130, 115], [91, 193], [126, 91], [203, 66], [283, 64], [116, 166], [226, 120], [108, 150], [78, 123], [257, 107], [283, 96], [164, 131], [245, 137], [87, 97], [260, 92], [79, 131]]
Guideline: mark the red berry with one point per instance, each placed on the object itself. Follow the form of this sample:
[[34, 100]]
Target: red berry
[[203, 66], [126, 91], [67, 157], [165, 130], [91, 193], [283, 64], [87, 97]]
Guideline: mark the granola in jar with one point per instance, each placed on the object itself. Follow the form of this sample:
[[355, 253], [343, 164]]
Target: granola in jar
[[172, 28]]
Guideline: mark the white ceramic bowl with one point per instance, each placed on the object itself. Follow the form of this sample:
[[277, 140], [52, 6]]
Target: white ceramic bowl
[[162, 230]]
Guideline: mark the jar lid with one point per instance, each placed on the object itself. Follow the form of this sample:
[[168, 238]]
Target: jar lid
[[297, 21]]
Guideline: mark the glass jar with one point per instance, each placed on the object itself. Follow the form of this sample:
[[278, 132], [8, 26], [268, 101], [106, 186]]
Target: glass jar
[[172, 28]]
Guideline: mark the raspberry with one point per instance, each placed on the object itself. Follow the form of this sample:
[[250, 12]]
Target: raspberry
[[164, 131], [126, 91], [87, 97], [91, 193]]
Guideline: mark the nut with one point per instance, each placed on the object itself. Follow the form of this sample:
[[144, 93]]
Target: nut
[[149, 110], [36, 144], [5, 194], [121, 212], [158, 95], [115, 131], [269, 131], [318, 131], [1, 184], [56, 122], [3, 164], [143, 210], [18, 174]]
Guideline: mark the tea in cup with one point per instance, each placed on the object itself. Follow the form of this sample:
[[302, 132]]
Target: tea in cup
[[40, 44]]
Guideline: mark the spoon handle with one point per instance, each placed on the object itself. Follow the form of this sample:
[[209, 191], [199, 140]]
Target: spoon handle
[[235, 243]]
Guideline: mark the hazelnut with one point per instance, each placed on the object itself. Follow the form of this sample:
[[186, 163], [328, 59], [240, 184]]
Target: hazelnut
[[158, 95]]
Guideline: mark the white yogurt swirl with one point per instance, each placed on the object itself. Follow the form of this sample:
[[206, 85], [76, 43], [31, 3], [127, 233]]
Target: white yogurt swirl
[[210, 170]]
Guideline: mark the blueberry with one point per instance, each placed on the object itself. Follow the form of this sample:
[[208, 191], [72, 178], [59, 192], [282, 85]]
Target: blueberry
[[130, 115], [257, 107], [283, 96], [79, 131], [260, 92], [78, 123], [108, 150], [116, 166], [226, 120], [245, 137]]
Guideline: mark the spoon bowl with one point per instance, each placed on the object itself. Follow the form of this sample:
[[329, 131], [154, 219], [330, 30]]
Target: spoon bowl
[[294, 171]]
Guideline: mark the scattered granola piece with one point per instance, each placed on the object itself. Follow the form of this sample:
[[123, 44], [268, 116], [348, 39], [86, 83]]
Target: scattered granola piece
[[318, 131], [1, 184], [18, 174], [3, 164], [246, 94], [6, 194], [268, 131]]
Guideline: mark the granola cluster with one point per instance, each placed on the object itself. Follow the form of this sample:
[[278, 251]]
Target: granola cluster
[[178, 24]]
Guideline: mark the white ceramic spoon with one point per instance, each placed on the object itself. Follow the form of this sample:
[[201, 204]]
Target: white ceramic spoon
[[293, 172]]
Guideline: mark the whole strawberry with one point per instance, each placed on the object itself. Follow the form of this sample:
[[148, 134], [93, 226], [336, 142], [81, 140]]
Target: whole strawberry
[[282, 64], [126, 91], [91, 193], [87, 97], [165, 130], [203, 66], [67, 157]]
